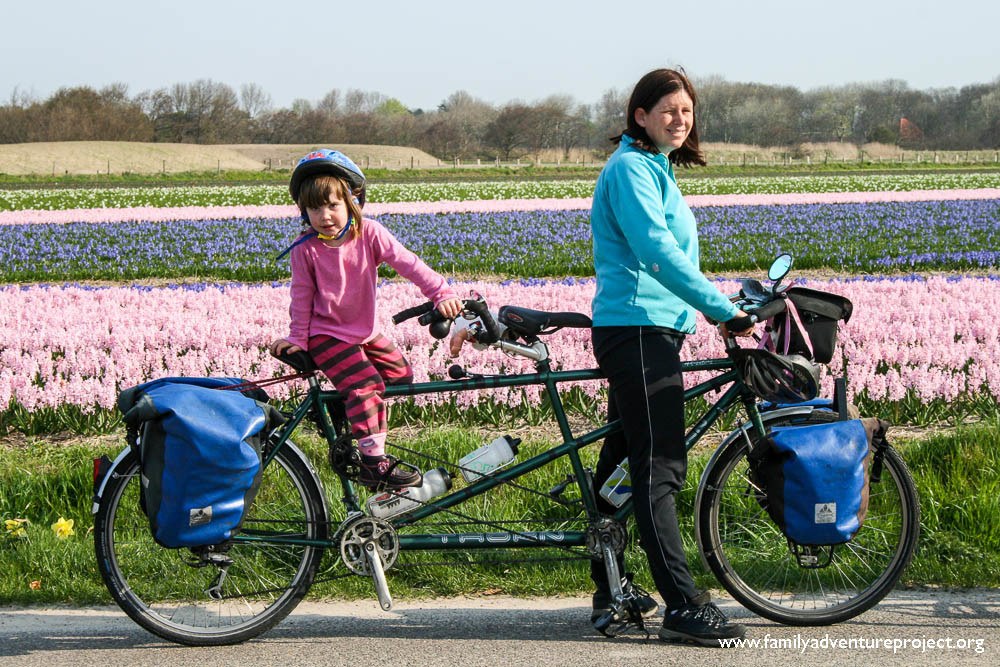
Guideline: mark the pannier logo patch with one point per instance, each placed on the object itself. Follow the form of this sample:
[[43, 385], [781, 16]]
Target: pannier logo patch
[[825, 513], [200, 516]]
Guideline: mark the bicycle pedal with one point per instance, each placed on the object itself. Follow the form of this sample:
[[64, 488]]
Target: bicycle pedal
[[611, 624], [605, 622]]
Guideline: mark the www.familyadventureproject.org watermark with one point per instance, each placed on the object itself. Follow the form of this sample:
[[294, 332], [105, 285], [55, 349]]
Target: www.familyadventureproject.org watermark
[[828, 643]]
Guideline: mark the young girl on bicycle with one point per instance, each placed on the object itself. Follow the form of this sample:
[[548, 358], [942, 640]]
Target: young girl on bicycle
[[334, 273]]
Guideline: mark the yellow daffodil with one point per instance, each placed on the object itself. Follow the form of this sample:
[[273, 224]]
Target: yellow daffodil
[[15, 527], [63, 528]]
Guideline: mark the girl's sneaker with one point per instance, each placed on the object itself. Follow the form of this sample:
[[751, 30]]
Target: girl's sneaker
[[387, 472]]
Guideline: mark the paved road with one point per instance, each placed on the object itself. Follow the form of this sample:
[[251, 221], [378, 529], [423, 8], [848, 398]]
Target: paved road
[[911, 629]]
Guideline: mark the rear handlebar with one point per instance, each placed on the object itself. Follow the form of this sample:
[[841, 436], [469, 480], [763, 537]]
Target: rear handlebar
[[440, 326]]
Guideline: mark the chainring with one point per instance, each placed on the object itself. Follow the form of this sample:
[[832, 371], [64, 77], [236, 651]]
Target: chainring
[[358, 531], [604, 530]]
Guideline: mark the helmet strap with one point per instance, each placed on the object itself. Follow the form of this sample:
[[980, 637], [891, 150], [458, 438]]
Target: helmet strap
[[339, 236]]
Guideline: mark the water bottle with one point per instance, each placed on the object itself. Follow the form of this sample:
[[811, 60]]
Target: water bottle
[[398, 501], [618, 488], [491, 456]]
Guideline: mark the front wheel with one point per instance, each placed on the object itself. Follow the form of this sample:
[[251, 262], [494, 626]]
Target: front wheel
[[201, 598], [753, 560]]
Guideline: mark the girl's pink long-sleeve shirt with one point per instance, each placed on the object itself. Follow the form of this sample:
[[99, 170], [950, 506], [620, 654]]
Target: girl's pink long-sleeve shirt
[[333, 289]]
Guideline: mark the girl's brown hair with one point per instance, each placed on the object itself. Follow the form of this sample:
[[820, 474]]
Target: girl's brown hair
[[315, 193], [647, 92]]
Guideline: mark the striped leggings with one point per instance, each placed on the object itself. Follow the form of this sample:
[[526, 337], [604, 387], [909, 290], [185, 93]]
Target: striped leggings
[[360, 372]]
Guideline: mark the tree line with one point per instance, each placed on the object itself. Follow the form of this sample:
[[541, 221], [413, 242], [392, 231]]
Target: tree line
[[464, 127]]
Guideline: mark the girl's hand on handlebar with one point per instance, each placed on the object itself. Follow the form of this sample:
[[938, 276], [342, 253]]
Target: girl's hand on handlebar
[[740, 320], [282, 346], [450, 308]]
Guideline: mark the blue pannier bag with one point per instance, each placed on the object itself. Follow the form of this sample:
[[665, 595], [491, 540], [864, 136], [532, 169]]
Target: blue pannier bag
[[199, 446], [815, 478]]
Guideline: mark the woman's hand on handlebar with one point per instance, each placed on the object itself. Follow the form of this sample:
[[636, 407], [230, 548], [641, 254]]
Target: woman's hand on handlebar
[[282, 346], [742, 323], [474, 330], [450, 308]]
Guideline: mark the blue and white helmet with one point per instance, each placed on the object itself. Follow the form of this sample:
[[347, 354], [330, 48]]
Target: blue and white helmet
[[327, 161]]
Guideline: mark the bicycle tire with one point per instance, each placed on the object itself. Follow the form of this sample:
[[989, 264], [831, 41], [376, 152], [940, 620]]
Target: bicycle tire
[[751, 558], [161, 591]]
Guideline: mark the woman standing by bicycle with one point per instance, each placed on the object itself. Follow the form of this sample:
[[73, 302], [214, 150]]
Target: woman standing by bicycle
[[649, 289]]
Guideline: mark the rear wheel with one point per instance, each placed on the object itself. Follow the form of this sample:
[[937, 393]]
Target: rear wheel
[[204, 598], [754, 561]]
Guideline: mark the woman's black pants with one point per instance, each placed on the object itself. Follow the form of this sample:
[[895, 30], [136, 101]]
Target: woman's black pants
[[646, 391]]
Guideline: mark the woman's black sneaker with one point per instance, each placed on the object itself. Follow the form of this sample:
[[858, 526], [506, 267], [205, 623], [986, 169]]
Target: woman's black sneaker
[[702, 624]]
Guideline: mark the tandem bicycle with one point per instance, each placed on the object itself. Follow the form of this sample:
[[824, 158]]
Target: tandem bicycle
[[229, 593]]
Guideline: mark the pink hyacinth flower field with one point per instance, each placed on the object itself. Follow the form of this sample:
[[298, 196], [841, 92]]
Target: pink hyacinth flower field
[[934, 337]]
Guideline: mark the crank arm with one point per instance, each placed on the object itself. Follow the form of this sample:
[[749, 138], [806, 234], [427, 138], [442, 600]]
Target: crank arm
[[378, 575]]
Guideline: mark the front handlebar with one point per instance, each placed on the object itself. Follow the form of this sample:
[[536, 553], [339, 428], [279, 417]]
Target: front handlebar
[[769, 310]]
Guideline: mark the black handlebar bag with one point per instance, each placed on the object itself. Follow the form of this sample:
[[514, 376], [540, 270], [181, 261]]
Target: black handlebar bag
[[809, 325], [814, 478], [200, 454]]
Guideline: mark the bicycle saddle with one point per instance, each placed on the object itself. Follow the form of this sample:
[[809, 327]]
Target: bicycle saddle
[[528, 322], [300, 361]]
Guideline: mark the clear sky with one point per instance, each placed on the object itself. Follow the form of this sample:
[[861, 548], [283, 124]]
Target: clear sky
[[422, 52]]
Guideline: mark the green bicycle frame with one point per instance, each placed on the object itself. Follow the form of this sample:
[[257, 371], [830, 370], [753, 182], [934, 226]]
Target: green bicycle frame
[[318, 402]]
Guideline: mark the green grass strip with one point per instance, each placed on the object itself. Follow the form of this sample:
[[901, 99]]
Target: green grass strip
[[957, 474]]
